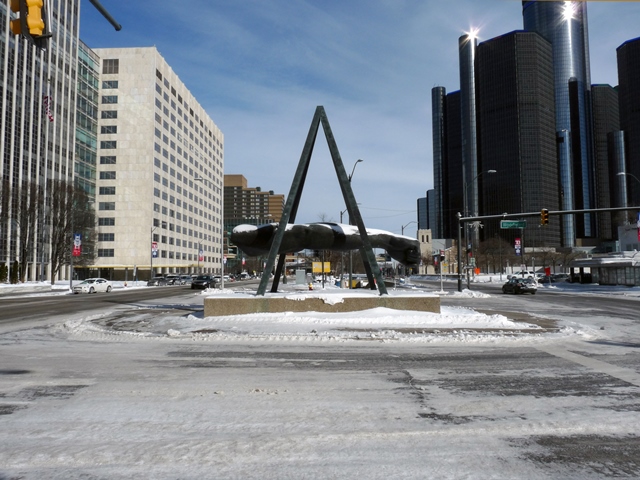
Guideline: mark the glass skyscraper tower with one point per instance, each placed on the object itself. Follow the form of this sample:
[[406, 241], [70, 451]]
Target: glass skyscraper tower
[[564, 25]]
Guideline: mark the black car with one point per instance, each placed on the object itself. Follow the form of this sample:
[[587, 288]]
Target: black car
[[157, 282], [517, 285], [204, 281]]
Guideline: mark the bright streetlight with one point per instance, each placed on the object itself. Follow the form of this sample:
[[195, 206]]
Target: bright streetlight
[[404, 226], [629, 175], [354, 167]]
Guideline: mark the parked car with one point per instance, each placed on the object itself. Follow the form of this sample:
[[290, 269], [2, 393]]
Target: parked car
[[186, 279], [157, 282], [204, 281], [172, 279], [93, 285], [554, 278], [517, 285]]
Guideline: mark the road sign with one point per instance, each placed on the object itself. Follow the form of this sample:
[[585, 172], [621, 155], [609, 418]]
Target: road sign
[[513, 223]]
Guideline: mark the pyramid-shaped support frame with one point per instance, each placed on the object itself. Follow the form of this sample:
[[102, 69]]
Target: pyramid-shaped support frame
[[293, 200]]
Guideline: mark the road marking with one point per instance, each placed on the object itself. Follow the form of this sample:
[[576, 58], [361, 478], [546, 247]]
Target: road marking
[[621, 373]]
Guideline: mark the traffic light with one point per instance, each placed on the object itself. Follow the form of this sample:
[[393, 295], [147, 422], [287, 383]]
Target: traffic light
[[16, 25], [35, 23], [544, 217], [30, 22]]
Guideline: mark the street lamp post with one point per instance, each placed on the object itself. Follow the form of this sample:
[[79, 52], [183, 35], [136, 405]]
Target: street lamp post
[[351, 251], [629, 175]]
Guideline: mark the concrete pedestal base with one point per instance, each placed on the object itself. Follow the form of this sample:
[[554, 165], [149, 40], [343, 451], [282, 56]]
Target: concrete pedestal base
[[221, 306]]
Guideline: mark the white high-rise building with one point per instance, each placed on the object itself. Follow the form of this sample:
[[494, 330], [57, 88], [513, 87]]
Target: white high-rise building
[[160, 171], [37, 133]]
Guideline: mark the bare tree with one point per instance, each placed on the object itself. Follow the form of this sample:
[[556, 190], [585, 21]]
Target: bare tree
[[5, 200], [70, 211], [27, 203]]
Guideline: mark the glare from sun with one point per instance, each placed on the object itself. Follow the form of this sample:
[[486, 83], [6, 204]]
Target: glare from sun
[[569, 10]]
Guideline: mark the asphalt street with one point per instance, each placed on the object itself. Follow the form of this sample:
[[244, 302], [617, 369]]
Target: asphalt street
[[559, 408]]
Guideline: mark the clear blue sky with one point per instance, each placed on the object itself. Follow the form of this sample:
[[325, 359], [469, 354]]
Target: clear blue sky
[[260, 68]]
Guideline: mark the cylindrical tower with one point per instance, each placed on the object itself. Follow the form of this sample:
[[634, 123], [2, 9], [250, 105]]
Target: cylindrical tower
[[564, 25]]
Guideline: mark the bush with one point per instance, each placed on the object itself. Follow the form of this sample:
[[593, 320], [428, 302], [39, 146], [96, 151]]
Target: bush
[[15, 270], [4, 273]]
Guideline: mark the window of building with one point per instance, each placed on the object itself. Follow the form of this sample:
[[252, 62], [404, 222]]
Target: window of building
[[109, 114], [107, 160], [111, 66], [106, 252], [106, 237], [106, 221], [107, 190], [108, 99], [108, 144], [106, 84], [109, 175], [107, 206], [109, 129]]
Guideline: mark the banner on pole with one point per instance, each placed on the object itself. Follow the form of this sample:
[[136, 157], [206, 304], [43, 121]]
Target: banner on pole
[[77, 244]]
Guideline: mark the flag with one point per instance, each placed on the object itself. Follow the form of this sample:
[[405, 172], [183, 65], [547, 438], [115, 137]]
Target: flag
[[77, 244], [46, 103]]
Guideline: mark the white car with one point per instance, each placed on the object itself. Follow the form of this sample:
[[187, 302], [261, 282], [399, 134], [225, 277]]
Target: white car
[[93, 285]]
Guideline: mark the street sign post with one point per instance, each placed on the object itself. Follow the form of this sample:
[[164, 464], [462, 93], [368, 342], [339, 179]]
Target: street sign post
[[513, 223]]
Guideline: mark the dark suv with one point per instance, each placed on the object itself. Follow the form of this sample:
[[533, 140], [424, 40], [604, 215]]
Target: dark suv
[[517, 285], [204, 281]]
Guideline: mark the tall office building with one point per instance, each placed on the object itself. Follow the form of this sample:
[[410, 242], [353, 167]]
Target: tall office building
[[515, 105], [564, 25], [423, 210], [438, 103], [629, 89], [37, 127], [431, 210], [87, 120], [606, 119], [447, 161], [250, 205], [247, 205], [160, 170]]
